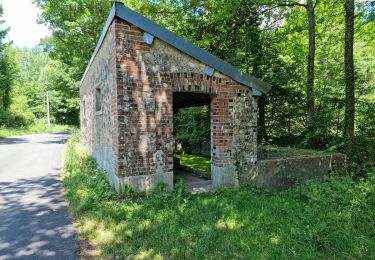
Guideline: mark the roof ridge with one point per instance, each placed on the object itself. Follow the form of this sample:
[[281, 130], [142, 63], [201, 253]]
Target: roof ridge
[[119, 10]]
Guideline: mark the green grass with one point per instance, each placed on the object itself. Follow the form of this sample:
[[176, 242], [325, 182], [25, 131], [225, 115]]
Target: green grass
[[329, 220], [38, 128], [199, 163]]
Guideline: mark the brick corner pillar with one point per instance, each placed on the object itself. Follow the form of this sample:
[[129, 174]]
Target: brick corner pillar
[[145, 115], [233, 136]]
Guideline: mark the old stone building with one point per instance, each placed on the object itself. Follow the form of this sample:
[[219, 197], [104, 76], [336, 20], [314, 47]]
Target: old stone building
[[139, 74]]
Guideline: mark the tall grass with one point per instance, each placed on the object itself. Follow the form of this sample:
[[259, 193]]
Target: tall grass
[[328, 220]]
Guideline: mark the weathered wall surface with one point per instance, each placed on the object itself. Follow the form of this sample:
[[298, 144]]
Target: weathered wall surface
[[147, 77], [283, 173], [99, 129]]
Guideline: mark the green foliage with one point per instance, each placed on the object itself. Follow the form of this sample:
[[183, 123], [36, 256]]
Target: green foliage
[[196, 162], [18, 114], [6, 68], [318, 220], [192, 124], [6, 79], [64, 93], [76, 26], [159, 198], [20, 110], [37, 74], [29, 64]]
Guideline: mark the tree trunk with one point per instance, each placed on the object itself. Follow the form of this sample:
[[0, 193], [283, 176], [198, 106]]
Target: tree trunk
[[349, 77], [261, 118], [310, 102], [255, 50]]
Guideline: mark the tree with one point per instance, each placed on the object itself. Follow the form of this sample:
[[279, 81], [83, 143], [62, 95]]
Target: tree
[[29, 83], [5, 69], [63, 92], [310, 96], [349, 76], [76, 26]]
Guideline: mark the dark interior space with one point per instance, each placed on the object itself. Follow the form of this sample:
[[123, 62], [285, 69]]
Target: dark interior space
[[190, 99], [192, 130]]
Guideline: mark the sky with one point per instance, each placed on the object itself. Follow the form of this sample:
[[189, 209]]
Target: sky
[[21, 16]]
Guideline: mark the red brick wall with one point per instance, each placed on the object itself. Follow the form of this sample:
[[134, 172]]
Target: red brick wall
[[145, 86]]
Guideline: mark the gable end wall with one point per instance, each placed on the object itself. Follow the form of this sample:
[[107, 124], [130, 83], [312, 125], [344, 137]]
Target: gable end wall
[[147, 76]]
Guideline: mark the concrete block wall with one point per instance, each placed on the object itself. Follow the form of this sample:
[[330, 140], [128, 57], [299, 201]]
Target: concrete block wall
[[283, 173]]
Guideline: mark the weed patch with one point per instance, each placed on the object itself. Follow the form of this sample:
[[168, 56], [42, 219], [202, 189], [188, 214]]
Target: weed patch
[[331, 220]]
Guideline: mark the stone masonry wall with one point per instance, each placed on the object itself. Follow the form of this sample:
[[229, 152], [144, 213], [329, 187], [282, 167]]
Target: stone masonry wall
[[99, 129], [147, 76]]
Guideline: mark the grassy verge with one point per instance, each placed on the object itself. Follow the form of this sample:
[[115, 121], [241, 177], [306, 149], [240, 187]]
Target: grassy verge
[[330, 220], [33, 129], [199, 163]]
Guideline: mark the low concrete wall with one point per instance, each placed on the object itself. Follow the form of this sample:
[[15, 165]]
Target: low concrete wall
[[282, 173]]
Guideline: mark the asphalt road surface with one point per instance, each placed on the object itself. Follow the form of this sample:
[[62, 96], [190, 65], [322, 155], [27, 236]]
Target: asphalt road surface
[[34, 218]]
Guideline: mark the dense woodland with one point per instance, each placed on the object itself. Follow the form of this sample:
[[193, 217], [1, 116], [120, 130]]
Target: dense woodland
[[319, 56]]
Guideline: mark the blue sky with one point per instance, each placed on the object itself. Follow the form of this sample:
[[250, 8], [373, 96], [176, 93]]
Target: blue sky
[[21, 16]]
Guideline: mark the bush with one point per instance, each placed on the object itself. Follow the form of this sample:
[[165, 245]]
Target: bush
[[363, 156], [21, 119], [4, 118], [9, 119], [18, 115]]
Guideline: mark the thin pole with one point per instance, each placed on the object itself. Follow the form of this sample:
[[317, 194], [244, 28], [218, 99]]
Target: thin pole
[[48, 119]]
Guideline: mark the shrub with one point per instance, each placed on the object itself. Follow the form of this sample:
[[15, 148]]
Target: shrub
[[4, 118], [363, 156], [21, 119], [18, 115]]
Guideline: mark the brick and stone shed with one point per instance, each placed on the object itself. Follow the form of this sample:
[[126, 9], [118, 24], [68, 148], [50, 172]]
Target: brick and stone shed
[[139, 74]]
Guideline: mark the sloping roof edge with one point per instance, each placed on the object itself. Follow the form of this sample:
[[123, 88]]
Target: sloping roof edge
[[120, 11]]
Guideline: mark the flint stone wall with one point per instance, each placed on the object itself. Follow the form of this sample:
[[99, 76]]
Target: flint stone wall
[[99, 129]]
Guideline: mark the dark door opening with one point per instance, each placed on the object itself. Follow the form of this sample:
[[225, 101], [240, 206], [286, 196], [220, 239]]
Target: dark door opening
[[192, 133]]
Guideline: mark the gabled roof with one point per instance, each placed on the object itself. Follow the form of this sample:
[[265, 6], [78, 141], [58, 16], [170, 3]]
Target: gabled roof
[[122, 12]]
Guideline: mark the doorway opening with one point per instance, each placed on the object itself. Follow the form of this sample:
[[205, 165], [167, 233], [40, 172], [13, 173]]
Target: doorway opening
[[192, 134]]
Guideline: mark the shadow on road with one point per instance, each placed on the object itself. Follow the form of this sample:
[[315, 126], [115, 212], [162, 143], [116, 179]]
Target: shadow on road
[[13, 140], [55, 140], [35, 221]]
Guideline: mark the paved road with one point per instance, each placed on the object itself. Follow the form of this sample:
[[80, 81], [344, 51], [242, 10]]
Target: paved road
[[34, 218]]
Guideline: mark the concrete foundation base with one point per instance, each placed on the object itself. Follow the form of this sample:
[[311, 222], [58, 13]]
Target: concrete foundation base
[[224, 176], [142, 183]]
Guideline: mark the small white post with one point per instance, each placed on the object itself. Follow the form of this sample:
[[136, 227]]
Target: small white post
[[48, 119]]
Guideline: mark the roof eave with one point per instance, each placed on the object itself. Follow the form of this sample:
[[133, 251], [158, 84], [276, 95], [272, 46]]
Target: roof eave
[[122, 12]]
